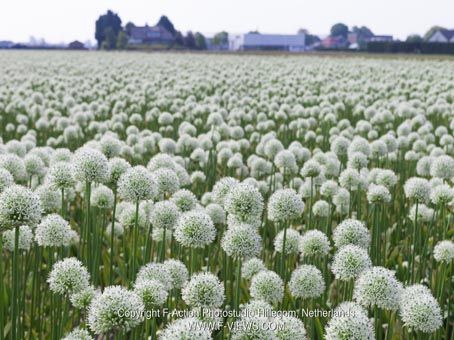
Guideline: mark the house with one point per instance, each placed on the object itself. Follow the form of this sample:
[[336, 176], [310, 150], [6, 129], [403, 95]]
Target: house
[[149, 35], [6, 44], [267, 42], [334, 42], [76, 45], [380, 38], [442, 36]]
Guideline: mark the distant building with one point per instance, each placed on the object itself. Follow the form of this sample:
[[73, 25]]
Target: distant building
[[442, 35], [334, 42], [215, 47], [6, 44], [76, 45], [149, 35], [267, 42], [380, 38]]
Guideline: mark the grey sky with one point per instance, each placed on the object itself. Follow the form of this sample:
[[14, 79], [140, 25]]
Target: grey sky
[[63, 20]]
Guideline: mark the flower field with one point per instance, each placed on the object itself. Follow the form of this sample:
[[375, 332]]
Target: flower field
[[190, 196]]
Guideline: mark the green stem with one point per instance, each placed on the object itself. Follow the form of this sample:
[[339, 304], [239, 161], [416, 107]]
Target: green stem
[[15, 286]]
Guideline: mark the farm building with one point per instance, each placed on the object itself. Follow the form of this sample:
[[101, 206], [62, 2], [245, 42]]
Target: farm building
[[443, 36], [267, 42], [149, 35]]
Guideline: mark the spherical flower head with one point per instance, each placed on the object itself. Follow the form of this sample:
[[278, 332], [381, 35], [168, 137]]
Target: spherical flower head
[[444, 251], [423, 166], [152, 293], [306, 282], [285, 205], [82, 299], [155, 272], [117, 167], [442, 195], [90, 165], [417, 189], [178, 273], [110, 146], [419, 310], [222, 188], [19, 206], [351, 322], [166, 180], [272, 148], [216, 212], [328, 189], [290, 328], [292, 242], [60, 176], [378, 287], [321, 208], [34, 165], [311, 168], [50, 198], [442, 167], [137, 184], [349, 262], [378, 194], [53, 231], [186, 329], [161, 160], [350, 179], [14, 165], [25, 238], [245, 202], [340, 146], [359, 144], [357, 160], [242, 240], [116, 309], [252, 267], [267, 286], [184, 199], [195, 229], [425, 214], [127, 216], [203, 290], [78, 334], [102, 197], [285, 161], [68, 276], [164, 215], [6, 179], [351, 231], [342, 201], [314, 243], [387, 178]]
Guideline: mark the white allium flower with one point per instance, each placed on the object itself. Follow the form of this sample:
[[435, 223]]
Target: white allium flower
[[350, 179], [14, 165], [110, 146], [419, 310], [425, 214], [90, 165], [244, 202], [444, 251], [359, 144], [137, 184], [306, 282], [19, 206], [178, 272], [357, 160], [350, 321], [156, 272], [34, 165], [82, 299], [102, 197], [285, 205], [272, 147], [377, 194], [285, 161], [417, 189], [166, 180], [68, 276], [442, 167], [78, 334], [161, 160], [311, 168], [351, 231], [342, 201], [222, 188], [187, 328], [127, 216], [152, 293], [256, 308], [50, 198], [292, 242], [442, 195], [184, 199], [164, 214], [267, 286], [25, 238], [423, 166], [6, 179], [349, 262], [241, 240], [379, 287], [115, 309], [253, 327], [251, 267], [203, 290], [216, 212], [53, 231], [195, 229], [117, 167], [387, 178], [290, 328], [314, 243], [329, 189], [321, 208]]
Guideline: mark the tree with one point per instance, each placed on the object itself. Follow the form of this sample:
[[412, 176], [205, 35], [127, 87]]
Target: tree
[[109, 20], [431, 32], [363, 33], [339, 30], [164, 22], [200, 42], [122, 40], [414, 38], [110, 39], [189, 40], [311, 39], [221, 38], [179, 39], [128, 28]]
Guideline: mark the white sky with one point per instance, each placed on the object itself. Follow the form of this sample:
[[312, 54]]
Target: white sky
[[66, 20]]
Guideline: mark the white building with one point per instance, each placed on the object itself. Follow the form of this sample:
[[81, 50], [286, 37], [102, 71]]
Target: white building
[[443, 36], [267, 42]]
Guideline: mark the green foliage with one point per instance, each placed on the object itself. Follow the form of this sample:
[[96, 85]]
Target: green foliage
[[339, 30], [414, 38], [122, 40], [167, 24], [221, 38], [109, 20], [200, 41]]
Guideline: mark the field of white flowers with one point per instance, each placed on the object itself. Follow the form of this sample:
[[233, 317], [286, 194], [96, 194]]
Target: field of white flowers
[[180, 196]]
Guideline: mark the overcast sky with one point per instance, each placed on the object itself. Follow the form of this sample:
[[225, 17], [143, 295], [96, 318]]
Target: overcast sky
[[66, 20]]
